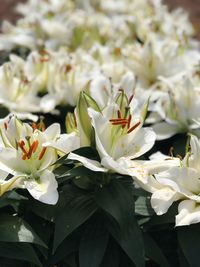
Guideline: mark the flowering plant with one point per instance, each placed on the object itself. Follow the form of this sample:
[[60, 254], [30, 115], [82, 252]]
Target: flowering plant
[[99, 136]]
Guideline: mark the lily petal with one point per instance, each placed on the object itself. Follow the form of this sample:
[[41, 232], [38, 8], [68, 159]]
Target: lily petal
[[188, 213], [44, 189], [88, 163]]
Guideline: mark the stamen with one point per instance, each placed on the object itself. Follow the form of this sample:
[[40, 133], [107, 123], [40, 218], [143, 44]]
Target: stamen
[[35, 145], [123, 123], [44, 59], [32, 148], [68, 68], [24, 156], [45, 56], [133, 127], [41, 125], [118, 120], [34, 126], [129, 121], [130, 99], [42, 153], [171, 154], [5, 125], [21, 145], [119, 114], [44, 52]]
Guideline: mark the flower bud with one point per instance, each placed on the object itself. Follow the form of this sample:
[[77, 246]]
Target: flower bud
[[84, 102]]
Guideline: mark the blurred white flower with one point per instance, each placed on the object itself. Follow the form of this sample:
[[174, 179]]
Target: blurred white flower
[[178, 109]]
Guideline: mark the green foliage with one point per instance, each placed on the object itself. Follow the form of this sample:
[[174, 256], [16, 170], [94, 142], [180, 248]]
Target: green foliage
[[100, 220]]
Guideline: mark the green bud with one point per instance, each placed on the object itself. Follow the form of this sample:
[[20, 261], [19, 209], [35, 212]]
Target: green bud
[[84, 102], [70, 122]]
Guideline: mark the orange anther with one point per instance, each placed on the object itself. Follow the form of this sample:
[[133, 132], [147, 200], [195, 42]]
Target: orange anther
[[44, 59], [130, 99], [32, 148], [133, 127], [21, 145], [119, 123], [24, 156], [5, 125], [129, 121], [42, 153], [34, 126], [35, 145]]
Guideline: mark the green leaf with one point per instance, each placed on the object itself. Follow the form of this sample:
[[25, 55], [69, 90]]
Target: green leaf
[[143, 207], [130, 239], [154, 252], [19, 251], [112, 255], [68, 246], [42, 210], [87, 152], [117, 200], [14, 229], [12, 199], [93, 244], [188, 238], [75, 213]]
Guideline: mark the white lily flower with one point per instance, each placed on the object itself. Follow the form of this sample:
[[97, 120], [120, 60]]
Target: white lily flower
[[16, 92], [119, 138], [159, 58], [179, 109], [24, 156], [179, 182]]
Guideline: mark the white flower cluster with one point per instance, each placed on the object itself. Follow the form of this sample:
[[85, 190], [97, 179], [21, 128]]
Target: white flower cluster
[[120, 64]]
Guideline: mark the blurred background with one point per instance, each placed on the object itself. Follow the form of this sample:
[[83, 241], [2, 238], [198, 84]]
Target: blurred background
[[7, 10]]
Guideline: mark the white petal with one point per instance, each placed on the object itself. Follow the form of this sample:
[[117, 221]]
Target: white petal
[[189, 213], [134, 145], [53, 131], [162, 199], [45, 189], [164, 130], [88, 163], [14, 182], [48, 103], [11, 161], [66, 143], [182, 180], [115, 166]]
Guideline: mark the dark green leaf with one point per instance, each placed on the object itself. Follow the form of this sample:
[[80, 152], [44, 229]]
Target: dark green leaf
[[88, 152], [73, 215], [143, 207], [130, 239], [154, 252], [68, 246], [112, 255], [189, 242], [11, 198], [93, 244], [14, 229], [117, 200], [19, 251]]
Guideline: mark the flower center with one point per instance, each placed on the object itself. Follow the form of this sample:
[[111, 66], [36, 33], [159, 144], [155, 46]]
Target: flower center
[[27, 154], [124, 122]]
